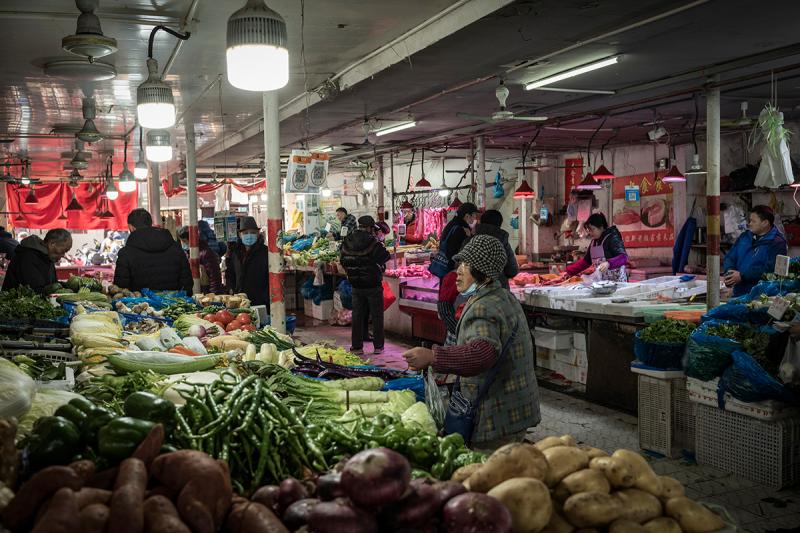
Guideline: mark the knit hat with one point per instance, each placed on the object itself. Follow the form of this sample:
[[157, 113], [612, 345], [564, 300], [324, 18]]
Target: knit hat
[[485, 254], [248, 223], [367, 222]]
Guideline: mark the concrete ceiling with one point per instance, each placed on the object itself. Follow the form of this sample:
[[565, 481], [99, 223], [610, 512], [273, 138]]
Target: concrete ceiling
[[667, 48]]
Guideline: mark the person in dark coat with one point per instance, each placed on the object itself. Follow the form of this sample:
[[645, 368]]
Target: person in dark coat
[[456, 232], [151, 258], [490, 224], [34, 264], [606, 251], [364, 259], [246, 267], [207, 231], [347, 221], [8, 244], [210, 274]]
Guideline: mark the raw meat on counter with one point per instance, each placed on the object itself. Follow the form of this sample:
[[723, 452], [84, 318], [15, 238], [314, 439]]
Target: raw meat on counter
[[410, 271], [524, 279]]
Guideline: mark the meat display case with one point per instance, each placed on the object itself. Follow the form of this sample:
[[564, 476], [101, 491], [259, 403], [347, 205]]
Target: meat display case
[[418, 299]]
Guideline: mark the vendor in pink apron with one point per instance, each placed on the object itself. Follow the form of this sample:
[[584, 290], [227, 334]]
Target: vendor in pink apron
[[606, 252]]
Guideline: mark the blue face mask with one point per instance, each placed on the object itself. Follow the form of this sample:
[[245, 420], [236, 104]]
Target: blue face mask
[[185, 247], [249, 239], [472, 289]]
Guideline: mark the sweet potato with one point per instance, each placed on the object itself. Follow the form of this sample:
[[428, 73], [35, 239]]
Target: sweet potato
[[204, 487], [127, 514], [693, 517], [89, 495], [463, 473], [62, 515], [252, 517], [517, 459], [528, 501], [84, 469], [562, 461], [93, 518], [617, 471], [590, 509], [20, 511], [638, 505], [160, 516], [104, 479], [150, 447], [663, 524]]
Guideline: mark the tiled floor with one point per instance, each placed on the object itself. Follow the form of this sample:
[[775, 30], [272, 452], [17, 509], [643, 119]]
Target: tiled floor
[[755, 508]]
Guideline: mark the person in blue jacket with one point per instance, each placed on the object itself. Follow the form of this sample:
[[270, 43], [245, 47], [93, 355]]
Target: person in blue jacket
[[754, 252]]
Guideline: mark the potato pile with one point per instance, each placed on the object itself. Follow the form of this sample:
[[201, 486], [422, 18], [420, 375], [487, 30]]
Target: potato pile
[[556, 486]]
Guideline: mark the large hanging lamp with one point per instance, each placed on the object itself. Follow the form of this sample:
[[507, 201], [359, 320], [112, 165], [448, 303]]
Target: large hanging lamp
[[30, 198], [602, 173], [140, 170], [74, 205], [455, 204], [155, 106], [25, 178], [89, 132], [127, 181], [674, 175], [158, 148], [524, 190], [257, 53], [589, 183]]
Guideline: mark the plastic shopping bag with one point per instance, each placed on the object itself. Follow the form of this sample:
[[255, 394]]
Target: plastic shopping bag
[[388, 296], [433, 398], [746, 381], [789, 371]]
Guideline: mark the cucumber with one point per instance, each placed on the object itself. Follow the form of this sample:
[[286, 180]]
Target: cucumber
[[161, 363]]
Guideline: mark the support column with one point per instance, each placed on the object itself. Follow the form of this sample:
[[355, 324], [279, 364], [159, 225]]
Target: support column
[[191, 189], [712, 194], [381, 207], [272, 165], [480, 197], [154, 194]]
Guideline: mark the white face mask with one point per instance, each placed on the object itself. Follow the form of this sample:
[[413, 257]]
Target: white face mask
[[472, 289]]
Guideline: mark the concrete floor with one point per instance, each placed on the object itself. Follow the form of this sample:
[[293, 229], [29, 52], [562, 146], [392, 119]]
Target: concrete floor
[[755, 508]]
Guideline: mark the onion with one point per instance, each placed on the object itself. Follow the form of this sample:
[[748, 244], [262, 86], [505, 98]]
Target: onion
[[197, 330], [376, 477]]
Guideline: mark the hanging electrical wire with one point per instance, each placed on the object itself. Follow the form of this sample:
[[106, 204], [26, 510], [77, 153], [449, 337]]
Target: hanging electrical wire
[[306, 123], [589, 146]]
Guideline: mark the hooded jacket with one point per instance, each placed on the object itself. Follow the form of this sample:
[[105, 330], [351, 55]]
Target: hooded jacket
[[455, 238], [31, 266], [364, 259], [152, 259], [512, 268], [613, 251], [247, 271], [753, 257], [209, 262]]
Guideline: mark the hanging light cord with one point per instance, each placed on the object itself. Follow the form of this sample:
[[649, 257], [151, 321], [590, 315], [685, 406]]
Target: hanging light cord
[[179, 35], [589, 147], [408, 184], [694, 125], [125, 153], [530, 145], [603, 147]]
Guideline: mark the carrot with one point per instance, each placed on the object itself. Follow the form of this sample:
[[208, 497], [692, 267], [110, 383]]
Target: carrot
[[180, 350]]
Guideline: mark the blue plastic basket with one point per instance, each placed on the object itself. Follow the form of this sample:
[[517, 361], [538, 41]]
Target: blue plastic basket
[[657, 354], [291, 323]]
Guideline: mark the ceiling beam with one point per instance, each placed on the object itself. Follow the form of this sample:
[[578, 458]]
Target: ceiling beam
[[445, 23], [130, 16]]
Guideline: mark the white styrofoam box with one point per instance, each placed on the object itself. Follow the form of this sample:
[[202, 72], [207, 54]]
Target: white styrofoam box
[[579, 341], [552, 338], [581, 358], [322, 311], [705, 392], [571, 357], [262, 314], [571, 372]]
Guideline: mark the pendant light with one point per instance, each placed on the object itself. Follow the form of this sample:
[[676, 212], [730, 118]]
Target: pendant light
[[524, 190], [422, 183], [673, 174], [455, 204], [89, 132], [25, 179], [110, 190], [140, 171], [602, 173], [257, 54], [155, 106], [158, 148], [127, 181], [369, 184], [30, 198], [444, 192], [589, 183], [74, 205]]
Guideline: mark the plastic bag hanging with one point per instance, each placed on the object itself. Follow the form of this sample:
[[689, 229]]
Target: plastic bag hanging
[[499, 192], [775, 169], [433, 398]]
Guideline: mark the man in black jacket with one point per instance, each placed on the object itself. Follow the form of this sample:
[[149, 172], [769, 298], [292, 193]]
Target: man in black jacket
[[34, 263], [490, 224], [151, 258], [246, 266], [364, 259]]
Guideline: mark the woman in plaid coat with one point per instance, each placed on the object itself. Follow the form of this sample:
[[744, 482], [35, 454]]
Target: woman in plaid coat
[[490, 317]]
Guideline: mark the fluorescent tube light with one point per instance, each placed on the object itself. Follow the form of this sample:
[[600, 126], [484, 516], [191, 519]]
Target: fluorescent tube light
[[398, 127], [572, 73]]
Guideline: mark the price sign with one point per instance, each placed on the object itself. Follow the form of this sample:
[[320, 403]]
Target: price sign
[[328, 227], [778, 308], [343, 232], [782, 265]]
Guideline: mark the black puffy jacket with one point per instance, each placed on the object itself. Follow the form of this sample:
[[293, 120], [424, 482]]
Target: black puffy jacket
[[248, 272], [152, 259], [364, 259], [455, 239], [512, 267], [31, 266]]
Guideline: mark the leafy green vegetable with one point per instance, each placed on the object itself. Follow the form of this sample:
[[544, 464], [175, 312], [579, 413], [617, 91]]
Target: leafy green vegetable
[[418, 415], [23, 303], [177, 309], [668, 331]]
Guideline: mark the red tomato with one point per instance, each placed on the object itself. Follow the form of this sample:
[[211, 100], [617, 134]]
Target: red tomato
[[224, 316], [244, 318], [233, 326], [220, 324], [248, 327], [210, 317]]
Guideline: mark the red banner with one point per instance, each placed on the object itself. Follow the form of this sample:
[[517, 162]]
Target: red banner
[[573, 174], [648, 222], [52, 200], [211, 187]]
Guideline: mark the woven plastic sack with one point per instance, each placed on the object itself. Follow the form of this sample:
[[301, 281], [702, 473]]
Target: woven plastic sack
[[433, 398], [707, 356], [745, 380], [658, 354]]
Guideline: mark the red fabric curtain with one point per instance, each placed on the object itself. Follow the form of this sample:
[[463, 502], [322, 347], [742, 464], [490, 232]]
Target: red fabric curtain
[[52, 200], [211, 187]]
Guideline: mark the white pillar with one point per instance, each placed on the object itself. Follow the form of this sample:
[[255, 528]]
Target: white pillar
[[381, 207], [272, 165], [712, 194], [191, 189], [154, 194], [480, 197]]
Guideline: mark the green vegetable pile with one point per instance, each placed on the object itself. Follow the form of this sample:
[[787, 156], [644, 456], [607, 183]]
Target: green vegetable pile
[[41, 369], [179, 308], [110, 390], [668, 331], [268, 335], [753, 342], [76, 283], [22, 303]]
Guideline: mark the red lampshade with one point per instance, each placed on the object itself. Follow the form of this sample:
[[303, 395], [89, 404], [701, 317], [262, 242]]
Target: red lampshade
[[406, 205], [30, 198], [589, 183], [74, 205], [455, 205], [524, 190], [674, 175], [602, 173], [62, 216], [423, 182]]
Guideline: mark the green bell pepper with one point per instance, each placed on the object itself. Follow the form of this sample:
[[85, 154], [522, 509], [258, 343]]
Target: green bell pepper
[[118, 439], [88, 418], [148, 406], [54, 440], [73, 414]]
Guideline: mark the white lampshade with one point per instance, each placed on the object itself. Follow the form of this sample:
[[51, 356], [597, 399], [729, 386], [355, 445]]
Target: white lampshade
[[158, 148], [444, 193], [155, 105], [140, 171], [326, 193], [112, 195], [256, 53], [369, 185]]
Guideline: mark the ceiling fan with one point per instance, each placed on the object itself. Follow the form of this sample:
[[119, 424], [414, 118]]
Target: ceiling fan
[[502, 114], [367, 127]]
